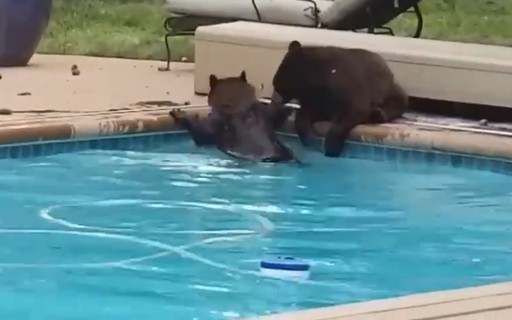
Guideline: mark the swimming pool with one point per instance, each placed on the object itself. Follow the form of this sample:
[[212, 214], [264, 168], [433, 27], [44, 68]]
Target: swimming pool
[[167, 230]]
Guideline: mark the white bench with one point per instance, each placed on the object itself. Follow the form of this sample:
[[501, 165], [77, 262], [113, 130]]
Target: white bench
[[462, 72]]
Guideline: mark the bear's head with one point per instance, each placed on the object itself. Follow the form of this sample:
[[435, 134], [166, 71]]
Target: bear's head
[[288, 77], [230, 95]]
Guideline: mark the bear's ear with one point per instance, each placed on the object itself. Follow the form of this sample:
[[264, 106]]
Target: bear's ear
[[243, 76], [213, 81], [294, 45]]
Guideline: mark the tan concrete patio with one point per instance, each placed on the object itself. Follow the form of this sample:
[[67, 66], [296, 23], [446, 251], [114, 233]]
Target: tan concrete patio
[[47, 88]]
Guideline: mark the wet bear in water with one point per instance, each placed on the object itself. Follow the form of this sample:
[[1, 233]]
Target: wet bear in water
[[238, 124], [347, 87]]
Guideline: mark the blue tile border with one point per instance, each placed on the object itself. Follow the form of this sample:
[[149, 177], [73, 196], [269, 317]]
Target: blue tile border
[[428, 157], [125, 142], [381, 152], [353, 149]]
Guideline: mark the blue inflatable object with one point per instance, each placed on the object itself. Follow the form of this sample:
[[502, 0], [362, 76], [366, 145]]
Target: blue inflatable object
[[22, 24], [284, 267]]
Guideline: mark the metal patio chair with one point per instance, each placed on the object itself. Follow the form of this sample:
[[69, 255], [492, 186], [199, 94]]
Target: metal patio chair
[[185, 16]]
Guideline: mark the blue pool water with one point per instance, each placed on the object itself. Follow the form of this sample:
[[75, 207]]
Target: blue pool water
[[176, 232]]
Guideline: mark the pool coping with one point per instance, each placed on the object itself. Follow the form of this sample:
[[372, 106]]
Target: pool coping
[[134, 120], [488, 302]]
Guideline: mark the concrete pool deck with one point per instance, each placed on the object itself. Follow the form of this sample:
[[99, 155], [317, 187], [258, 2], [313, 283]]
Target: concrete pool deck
[[44, 101], [112, 96], [103, 84], [491, 302]]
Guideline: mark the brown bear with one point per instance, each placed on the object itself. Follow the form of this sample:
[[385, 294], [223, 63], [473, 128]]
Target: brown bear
[[238, 124], [347, 87]]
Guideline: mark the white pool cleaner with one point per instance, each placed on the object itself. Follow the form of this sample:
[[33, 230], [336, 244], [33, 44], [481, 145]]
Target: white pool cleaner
[[285, 267]]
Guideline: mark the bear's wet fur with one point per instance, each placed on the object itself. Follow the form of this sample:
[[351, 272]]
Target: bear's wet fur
[[238, 124], [347, 87]]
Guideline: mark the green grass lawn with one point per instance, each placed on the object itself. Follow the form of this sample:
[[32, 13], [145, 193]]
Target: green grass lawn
[[134, 28]]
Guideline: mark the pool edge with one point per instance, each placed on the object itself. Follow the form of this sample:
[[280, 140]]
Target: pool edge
[[95, 125], [492, 301]]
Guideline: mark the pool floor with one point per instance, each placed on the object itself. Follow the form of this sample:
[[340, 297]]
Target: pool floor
[[177, 232]]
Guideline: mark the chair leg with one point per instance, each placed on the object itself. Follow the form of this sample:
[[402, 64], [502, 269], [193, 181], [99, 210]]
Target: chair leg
[[372, 27], [419, 16], [168, 50], [419, 27], [369, 16], [387, 31], [169, 33]]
